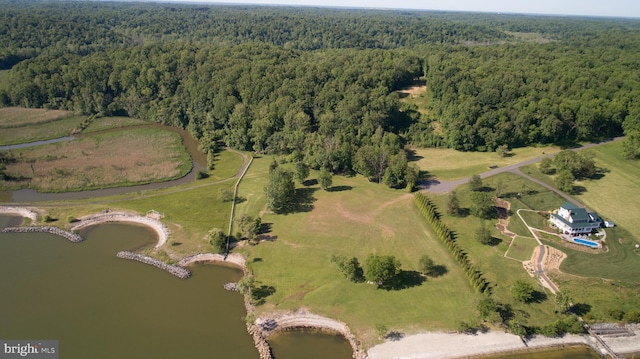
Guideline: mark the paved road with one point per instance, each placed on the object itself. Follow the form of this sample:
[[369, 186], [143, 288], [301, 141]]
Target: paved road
[[443, 186]]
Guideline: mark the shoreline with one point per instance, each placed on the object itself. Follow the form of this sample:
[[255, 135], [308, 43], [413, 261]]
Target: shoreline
[[161, 230], [440, 345], [23, 212], [271, 323], [429, 345]]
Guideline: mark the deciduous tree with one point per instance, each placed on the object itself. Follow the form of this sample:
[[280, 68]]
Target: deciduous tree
[[280, 190], [381, 269]]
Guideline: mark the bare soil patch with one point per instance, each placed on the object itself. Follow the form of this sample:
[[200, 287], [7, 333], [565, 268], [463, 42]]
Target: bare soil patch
[[503, 208], [414, 91], [553, 258], [18, 116], [114, 159]]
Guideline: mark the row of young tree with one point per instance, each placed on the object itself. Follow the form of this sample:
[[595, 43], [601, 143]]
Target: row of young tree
[[429, 211]]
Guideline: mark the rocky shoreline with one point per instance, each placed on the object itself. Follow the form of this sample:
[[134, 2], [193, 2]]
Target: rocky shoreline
[[21, 211], [107, 217], [75, 238], [177, 271], [263, 327]]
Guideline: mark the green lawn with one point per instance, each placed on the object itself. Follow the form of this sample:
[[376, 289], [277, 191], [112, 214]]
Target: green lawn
[[501, 272], [598, 296], [358, 218], [620, 262], [522, 248], [534, 219], [615, 196], [449, 164]]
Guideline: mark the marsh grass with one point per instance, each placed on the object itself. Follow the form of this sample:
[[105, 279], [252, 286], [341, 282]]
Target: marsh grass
[[106, 123], [109, 160]]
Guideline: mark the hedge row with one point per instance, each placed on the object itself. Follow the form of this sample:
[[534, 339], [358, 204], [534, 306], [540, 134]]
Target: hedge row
[[430, 212]]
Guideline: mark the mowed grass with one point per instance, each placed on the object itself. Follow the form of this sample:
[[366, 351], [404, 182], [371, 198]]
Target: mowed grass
[[20, 116], [449, 164], [598, 296], [522, 248], [40, 131], [106, 123], [501, 272], [190, 214], [620, 262], [107, 160], [357, 218], [616, 195]]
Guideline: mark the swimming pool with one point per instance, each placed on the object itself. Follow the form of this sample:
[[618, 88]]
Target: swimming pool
[[586, 242]]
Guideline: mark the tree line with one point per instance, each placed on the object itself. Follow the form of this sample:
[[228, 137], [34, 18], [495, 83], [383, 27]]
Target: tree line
[[319, 85]]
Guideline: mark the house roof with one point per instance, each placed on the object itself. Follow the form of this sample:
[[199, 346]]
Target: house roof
[[575, 225], [569, 206]]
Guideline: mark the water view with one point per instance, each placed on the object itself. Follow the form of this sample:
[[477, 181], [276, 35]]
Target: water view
[[100, 306]]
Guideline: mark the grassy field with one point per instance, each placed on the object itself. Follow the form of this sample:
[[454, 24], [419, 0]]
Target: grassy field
[[448, 164], [535, 219], [40, 131], [106, 123], [522, 248], [597, 296], [19, 116], [4, 79], [357, 218], [501, 272], [616, 195], [417, 95], [108, 160]]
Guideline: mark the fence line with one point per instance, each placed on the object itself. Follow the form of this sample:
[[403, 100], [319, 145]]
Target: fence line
[[233, 205]]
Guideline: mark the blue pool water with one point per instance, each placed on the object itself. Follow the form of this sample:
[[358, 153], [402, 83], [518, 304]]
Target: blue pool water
[[586, 242]]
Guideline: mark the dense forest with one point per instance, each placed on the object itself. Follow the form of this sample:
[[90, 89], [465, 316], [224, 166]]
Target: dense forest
[[318, 85]]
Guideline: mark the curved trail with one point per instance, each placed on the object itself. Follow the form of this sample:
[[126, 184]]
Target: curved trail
[[444, 186]]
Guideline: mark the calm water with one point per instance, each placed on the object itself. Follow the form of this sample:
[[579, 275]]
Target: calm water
[[307, 345], [564, 353], [100, 306]]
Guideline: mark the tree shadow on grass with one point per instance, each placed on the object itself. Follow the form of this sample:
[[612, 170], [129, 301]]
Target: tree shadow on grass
[[581, 308], [303, 201], [413, 156], [493, 241], [405, 279], [538, 297], [339, 188], [438, 271], [310, 182], [259, 294]]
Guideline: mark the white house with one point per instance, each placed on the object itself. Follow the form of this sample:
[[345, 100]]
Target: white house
[[572, 219]]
